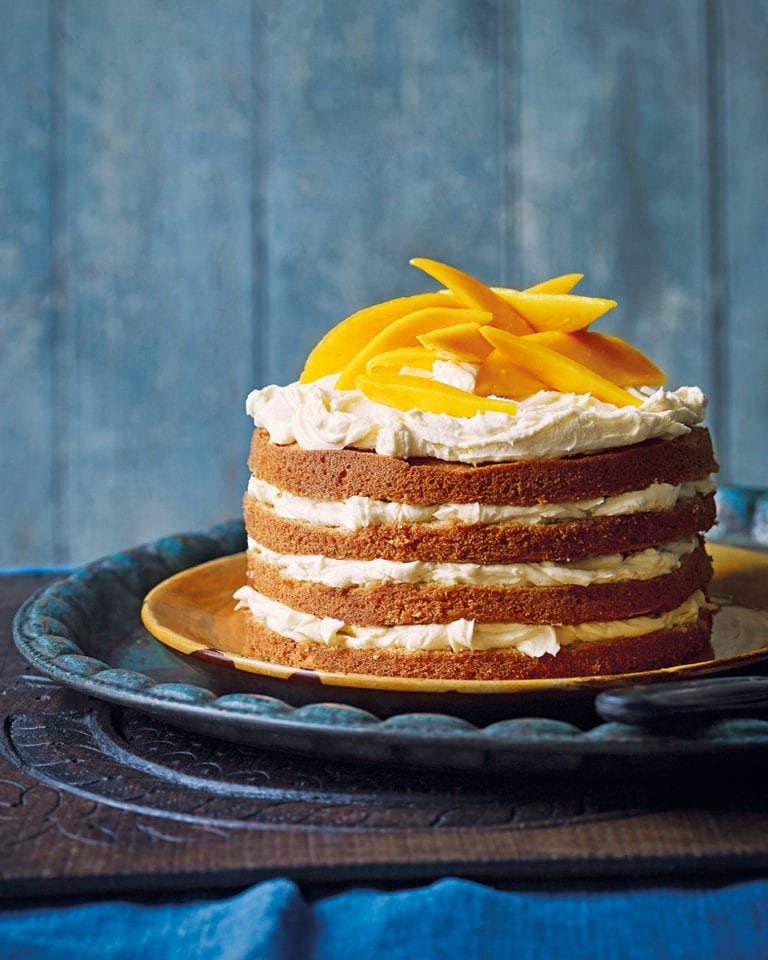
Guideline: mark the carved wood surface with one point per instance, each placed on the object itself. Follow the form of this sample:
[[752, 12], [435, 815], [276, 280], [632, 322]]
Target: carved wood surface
[[96, 799]]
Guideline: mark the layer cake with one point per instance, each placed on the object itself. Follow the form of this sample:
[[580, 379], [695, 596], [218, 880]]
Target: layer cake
[[401, 522]]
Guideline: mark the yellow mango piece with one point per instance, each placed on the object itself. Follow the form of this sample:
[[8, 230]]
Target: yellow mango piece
[[403, 333], [342, 342], [395, 360], [474, 293], [565, 312], [563, 284], [418, 393], [462, 342], [499, 377], [611, 357], [558, 371]]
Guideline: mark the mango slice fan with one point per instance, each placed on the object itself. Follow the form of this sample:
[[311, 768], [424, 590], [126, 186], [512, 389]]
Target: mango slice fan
[[518, 341]]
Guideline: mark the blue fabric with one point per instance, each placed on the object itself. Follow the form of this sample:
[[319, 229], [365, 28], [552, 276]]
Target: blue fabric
[[448, 919]]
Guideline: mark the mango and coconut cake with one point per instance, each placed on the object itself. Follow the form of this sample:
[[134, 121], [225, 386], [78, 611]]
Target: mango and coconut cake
[[470, 483]]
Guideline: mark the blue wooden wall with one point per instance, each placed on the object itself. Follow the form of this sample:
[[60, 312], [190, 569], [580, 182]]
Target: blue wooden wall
[[191, 192]]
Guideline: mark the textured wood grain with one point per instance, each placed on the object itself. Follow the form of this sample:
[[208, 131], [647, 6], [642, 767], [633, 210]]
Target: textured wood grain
[[156, 148], [26, 309], [613, 121], [743, 140], [97, 800], [385, 145], [191, 193]]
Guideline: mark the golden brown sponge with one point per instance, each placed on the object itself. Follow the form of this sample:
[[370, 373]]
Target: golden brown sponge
[[335, 476]]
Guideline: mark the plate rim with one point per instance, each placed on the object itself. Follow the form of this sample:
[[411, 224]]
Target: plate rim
[[427, 739], [186, 646]]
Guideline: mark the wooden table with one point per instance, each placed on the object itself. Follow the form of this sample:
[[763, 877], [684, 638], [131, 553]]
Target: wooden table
[[97, 800]]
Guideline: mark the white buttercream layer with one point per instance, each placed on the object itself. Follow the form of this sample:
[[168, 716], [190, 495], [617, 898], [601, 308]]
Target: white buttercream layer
[[533, 640], [613, 568], [354, 513], [546, 425]]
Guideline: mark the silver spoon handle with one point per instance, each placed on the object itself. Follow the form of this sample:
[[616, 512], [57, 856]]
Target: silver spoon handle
[[667, 704]]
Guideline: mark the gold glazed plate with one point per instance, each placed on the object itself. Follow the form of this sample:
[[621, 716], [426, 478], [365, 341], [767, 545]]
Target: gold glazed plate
[[193, 613]]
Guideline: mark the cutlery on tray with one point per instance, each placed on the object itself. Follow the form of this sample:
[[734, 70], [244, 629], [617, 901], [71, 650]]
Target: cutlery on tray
[[684, 702]]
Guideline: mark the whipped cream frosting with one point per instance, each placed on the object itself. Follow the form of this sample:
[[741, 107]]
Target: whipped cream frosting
[[355, 513], [612, 568], [533, 640], [546, 425]]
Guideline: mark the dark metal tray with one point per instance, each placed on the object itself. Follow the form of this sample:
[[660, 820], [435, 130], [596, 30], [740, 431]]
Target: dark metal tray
[[85, 632]]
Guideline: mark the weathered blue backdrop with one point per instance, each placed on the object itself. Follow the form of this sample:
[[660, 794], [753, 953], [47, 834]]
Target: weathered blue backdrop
[[192, 191]]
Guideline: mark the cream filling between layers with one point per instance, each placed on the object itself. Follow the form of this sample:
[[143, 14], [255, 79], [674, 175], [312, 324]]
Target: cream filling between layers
[[611, 568], [354, 513], [533, 640]]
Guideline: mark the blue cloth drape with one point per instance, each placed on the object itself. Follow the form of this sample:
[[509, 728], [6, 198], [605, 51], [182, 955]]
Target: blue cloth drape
[[448, 919]]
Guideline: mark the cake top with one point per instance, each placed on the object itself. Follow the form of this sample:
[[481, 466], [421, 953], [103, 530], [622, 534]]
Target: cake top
[[476, 374]]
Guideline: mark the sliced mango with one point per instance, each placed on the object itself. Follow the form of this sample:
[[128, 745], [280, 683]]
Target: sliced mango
[[474, 293], [462, 342], [348, 338], [395, 360], [565, 312], [558, 371], [563, 284], [403, 333], [521, 341], [499, 377], [611, 357], [417, 393]]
